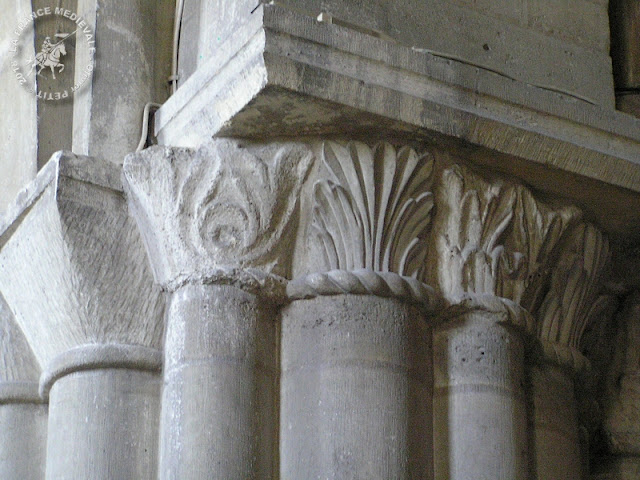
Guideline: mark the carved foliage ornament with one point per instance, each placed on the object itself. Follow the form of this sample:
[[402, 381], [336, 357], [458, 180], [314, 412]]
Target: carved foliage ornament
[[222, 206], [574, 288], [493, 238], [372, 210]]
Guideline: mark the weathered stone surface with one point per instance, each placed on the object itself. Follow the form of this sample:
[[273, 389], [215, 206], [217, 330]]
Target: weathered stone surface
[[622, 410], [218, 227], [17, 362], [480, 411], [108, 113], [496, 238], [556, 437], [624, 468], [624, 45], [356, 367], [23, 441], [574, 287], [219, 401], [23, 416], [112, 415], [372, 210], [492, 35], [366, 213], [493, 237]]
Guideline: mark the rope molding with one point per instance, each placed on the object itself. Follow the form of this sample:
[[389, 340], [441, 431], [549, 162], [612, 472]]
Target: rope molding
[[364, 282]]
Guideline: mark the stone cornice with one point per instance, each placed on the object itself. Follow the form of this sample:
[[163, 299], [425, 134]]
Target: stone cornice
[[283, 73], [225, 207], [72, 266]]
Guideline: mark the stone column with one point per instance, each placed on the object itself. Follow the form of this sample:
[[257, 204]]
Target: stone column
[[73, 270], [625, 54], [219, 414], [18, 131], [562, 315], [356, 341], [23, 414], [480, 408], [103, 403], [619, 458], [556, 434], [494, 243], [216, 223]]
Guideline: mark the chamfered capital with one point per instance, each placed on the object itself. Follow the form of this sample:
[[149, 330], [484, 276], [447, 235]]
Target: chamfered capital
[[72, 265]]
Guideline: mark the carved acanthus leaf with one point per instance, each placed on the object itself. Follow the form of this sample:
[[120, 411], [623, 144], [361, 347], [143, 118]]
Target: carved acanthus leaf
[[223, 206], [372, 210], [574, 287], [492, 238]]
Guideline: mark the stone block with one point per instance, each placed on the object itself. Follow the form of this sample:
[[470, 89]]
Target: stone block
[[577, 22], [511, 10]]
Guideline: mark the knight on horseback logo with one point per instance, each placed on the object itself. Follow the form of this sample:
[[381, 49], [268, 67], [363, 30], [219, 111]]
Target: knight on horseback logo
[[50, 55], [39, 71]]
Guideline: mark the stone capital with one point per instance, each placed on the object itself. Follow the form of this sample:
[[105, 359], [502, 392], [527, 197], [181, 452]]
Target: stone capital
[[367, 228], [218, 214], [491, 237], [495, 238], [72, 266]]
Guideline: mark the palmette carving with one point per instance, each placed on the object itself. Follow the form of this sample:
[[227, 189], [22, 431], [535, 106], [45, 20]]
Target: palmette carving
[[222, 207], [493, 238], [372, 210], [574, 287]]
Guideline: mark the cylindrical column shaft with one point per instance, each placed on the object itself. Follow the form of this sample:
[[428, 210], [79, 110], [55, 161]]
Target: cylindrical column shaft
[[625, 54], [218, 409], [103, 425], [355, 390], [480, 416], [23, 432], [555, 429]]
